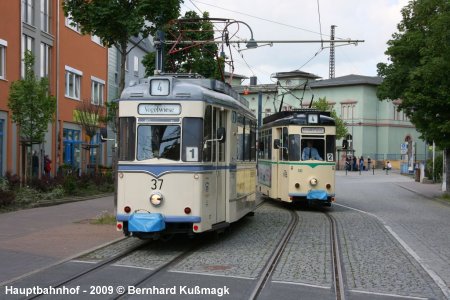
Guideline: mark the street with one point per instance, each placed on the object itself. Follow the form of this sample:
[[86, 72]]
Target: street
[[392, 244]]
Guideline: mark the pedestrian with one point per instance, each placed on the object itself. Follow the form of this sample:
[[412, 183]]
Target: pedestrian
[[387, 165], [361, 163], [347, 163], [47, 165], [369, 161], [354, 163], [35, 164]]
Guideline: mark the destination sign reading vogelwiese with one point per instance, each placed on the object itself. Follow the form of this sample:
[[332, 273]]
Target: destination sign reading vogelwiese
[[159, 109]]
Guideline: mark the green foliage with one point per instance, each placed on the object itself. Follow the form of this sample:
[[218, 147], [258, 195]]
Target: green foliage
[[115, 22], [420, 64], [201, 59], [322, 104], [31, 105], [105, 218], [438, 163]]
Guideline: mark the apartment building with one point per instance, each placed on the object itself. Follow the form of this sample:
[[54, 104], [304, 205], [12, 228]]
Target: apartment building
[[77, 68]]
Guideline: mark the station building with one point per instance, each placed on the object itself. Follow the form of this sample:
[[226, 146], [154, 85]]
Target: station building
[[377, 129]]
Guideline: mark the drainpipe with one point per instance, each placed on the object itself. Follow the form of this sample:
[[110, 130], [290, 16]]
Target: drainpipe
[[57, 154]]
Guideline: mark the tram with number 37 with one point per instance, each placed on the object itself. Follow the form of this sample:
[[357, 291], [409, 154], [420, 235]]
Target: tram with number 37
[[296, 157], [187, 157]]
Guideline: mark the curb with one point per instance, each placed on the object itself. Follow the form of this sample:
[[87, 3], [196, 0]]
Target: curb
[[68, 200]]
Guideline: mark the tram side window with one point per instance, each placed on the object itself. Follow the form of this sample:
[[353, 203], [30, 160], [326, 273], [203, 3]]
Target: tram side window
[[127, 138], [252, 141], [284, 149], [240, 137], [192, 139], [207, 133], [294, 147]]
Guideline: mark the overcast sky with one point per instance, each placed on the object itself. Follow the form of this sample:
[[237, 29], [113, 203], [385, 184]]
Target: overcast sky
[[373, 21]]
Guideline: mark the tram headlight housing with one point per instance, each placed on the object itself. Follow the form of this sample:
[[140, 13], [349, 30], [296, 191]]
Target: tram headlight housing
[[313, 181], [156, 199]]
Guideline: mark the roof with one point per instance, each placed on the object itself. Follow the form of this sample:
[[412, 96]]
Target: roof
[[265, 88], [347, 80], [235, 76], [295, 74]]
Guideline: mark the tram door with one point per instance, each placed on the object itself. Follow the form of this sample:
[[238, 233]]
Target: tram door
[[282, 168], [220, 119]]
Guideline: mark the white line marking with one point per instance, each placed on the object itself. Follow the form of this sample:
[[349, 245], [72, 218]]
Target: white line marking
[[438, 280], [303, 284], [388, 295], [133, 267], [209, 274], [84, 261]]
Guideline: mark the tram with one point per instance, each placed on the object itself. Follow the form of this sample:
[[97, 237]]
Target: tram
[[296, 157], [187, 157]]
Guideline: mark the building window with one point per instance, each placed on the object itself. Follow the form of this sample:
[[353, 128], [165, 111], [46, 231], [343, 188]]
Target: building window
[[97, 91], [3, 45], [45, 60], [136, 66], [71, 24], [28, 11], [72, 149], [73, 83], [96, 150], [27, 45], [45, 16]]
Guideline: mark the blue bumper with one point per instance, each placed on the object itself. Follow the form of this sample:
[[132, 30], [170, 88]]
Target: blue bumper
[[146, 222], [317, 195]]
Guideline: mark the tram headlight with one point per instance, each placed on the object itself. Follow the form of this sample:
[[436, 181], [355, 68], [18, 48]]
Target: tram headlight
[[313, 182], [156, 199]]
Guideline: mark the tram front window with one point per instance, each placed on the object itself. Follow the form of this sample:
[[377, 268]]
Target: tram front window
[[158, 141]]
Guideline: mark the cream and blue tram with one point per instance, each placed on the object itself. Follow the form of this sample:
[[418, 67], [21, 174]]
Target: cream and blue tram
[[187, 157], [285, 171]]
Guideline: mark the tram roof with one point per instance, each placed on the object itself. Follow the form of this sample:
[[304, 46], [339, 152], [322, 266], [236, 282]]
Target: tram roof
[[189, 87], [298, 117]]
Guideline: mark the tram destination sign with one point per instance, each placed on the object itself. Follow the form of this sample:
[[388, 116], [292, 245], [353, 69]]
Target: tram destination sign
[[313, 130], [159, 109]]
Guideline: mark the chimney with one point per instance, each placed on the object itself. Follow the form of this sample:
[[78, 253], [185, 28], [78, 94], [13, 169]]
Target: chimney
[[253, 80]]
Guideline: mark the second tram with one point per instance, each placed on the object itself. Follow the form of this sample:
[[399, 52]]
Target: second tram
[[296, 156]]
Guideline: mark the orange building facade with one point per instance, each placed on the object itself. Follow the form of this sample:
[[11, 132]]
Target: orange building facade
[[77, 68]]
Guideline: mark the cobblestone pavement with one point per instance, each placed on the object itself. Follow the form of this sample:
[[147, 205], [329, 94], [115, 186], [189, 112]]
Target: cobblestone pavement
[[307, 257], [374, 261], [244, 251]]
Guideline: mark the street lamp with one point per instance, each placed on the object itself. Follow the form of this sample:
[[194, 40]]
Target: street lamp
[[251, 44]]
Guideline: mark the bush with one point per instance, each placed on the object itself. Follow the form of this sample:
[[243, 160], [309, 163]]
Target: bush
[[6, 198], [70, 184], [13, 180], [27, 195], [438, 163]]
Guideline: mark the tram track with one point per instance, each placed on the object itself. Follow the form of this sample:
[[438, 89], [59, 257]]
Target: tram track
[[274, 258], [106, 262], [336, 259]]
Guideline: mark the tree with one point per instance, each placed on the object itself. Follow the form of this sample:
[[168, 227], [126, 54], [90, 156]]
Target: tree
[[341, 130], [90, 118], [31, 105], [115, 22], [419, 68], [182, 58]]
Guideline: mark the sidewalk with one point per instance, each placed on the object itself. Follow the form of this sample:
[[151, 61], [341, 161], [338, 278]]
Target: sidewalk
[[34, 238], [428, 190]]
